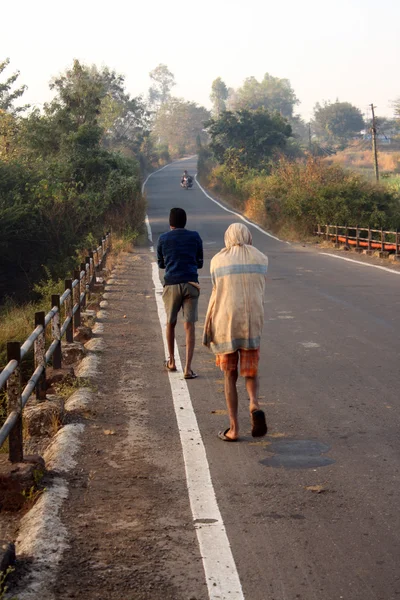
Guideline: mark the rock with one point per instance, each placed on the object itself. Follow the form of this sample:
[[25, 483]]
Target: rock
[[17, 478], [72, 353], [54, 376], [83, 334], [45, 418]]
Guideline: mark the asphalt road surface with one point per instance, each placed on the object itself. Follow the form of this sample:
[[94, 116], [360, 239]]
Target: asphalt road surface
[[311, 511]]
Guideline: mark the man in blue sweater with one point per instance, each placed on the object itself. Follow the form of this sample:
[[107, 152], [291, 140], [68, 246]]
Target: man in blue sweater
[[180, 253]]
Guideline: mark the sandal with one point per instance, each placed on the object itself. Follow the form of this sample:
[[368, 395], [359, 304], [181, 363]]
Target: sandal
[[259, 424], [191, 375], [222, 436]]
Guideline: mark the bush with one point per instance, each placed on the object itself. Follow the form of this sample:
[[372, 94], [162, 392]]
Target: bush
[[297, 195]]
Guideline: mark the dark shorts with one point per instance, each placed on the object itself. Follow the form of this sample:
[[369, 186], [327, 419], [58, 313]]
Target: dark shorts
[[181, 296]]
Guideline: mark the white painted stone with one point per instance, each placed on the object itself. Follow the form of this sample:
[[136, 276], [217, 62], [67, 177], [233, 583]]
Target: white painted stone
[[43, 538], [88, 367], [79, 399], [95, 345], [98, 328], [102, 315], [59, 455]]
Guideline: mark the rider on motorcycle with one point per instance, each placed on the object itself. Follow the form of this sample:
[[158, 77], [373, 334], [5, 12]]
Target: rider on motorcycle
[[186, 176]]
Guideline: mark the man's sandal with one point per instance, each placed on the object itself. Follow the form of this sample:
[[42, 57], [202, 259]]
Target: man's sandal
[[191, 375], [222, 436], [259, 424]]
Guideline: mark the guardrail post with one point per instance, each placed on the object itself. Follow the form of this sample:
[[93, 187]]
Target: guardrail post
[[82, 284], [100, 251], [69, 334], [91, 270], [337, 237], [56, 331], [382, 240], [347, 236], [369, 239], [88, 276], [318, 229], [15, 439], [103, 246], [357, 239], [40, 357], [327, 232], [76, 292], [397, 251]]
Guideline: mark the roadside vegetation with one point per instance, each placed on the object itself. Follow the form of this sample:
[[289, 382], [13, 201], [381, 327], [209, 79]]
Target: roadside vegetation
[[288, 176], [72, 170]]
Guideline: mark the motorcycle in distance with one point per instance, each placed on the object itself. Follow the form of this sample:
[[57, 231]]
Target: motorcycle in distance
[[187, 182]]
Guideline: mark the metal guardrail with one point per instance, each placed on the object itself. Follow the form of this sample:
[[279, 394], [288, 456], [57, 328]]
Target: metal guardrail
[[77, 290], [362, 238]]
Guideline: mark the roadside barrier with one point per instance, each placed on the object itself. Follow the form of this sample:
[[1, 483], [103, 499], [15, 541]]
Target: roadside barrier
[[362, 238], [77, 291]]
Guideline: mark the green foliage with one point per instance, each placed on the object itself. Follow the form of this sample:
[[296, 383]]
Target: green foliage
[[7, 94], [337, 122], [219, 96], [179, 125], [299, 194], [247, 139], [271, 93], [63, 179], [163, 81], [3, 583]]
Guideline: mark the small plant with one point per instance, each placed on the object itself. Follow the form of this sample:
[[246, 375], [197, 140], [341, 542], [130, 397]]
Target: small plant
[[32, 495], [67, 387], [3, 583]]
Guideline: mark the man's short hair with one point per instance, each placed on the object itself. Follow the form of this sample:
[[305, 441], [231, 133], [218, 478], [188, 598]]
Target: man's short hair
[[177, 218]]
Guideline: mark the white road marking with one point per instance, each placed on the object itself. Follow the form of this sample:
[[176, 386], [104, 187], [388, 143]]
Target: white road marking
[[363, 264], [147, 222], [239, 215], [285, 317], [222, 578]]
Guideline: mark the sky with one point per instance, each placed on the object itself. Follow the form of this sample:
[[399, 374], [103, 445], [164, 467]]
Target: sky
[[345, 49]]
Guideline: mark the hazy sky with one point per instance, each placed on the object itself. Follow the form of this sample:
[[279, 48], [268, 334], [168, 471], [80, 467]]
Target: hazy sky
[[346, 49]]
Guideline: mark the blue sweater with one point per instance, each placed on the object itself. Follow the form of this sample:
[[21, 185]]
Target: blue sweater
[[180, 253]]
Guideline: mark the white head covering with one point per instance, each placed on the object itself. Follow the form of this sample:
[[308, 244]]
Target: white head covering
[[237, 234]]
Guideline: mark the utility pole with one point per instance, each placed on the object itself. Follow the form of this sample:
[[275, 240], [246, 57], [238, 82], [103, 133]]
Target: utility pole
[[374, 146]]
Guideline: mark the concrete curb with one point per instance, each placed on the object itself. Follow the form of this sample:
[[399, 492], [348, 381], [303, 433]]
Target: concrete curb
[[42, 537]]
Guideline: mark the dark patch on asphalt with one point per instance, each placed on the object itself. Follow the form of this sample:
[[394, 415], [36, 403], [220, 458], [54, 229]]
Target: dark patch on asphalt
[[298, 454], [204, 521]]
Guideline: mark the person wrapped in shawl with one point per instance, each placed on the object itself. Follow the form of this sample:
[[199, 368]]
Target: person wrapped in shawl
[[234, 322]]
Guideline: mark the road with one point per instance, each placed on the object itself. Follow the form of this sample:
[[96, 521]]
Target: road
[[312, 511]]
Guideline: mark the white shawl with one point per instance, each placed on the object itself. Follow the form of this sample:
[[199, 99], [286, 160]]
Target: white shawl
[[235, 315]]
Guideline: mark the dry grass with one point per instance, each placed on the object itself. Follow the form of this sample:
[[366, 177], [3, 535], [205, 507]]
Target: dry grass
[[363, 159]]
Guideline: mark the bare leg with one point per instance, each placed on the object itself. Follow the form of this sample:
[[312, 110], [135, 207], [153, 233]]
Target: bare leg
[[252, 390], [171, 344], [231, 397], [190, 341]]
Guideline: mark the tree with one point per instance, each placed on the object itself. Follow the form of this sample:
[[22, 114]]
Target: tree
[[248, 139], [164, 81], [219, 96], [271, 93], [180, 125], [396, 106], [337, 122], [7, 95]]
